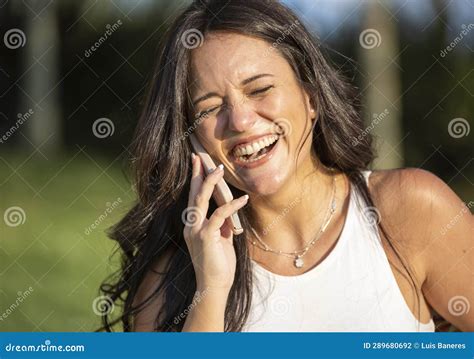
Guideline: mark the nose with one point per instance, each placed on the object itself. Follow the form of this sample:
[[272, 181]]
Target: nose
[[241, 117]]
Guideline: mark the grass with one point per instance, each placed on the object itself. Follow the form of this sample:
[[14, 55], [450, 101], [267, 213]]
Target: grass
[[50, 252]]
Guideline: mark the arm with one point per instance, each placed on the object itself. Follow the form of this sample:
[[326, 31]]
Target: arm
[[144, 320], [449, 252], [434, 229], [437, 232], [204, 314]]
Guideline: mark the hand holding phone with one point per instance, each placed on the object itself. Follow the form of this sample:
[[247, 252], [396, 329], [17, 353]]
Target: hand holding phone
[[222, 193], [210, 239]]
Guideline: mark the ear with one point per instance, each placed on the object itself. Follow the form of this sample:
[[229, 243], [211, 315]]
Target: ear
[[310, 106], [312, 111]]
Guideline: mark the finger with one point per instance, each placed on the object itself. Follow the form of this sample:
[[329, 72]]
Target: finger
[[196, 179], [226, 229], [203, 196], [220, 214], [192, 216]]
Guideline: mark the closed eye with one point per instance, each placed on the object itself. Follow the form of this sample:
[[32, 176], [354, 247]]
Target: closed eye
[[253, 93], [261, 90], [206, 112]]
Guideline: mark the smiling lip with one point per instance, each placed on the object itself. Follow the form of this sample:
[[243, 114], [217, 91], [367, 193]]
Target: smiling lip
[[267, 157], [249, 140]]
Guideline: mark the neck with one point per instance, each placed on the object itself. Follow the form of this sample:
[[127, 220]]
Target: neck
[[290, 218]]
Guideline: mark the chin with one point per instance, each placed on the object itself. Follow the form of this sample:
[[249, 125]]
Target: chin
[[265, 185]]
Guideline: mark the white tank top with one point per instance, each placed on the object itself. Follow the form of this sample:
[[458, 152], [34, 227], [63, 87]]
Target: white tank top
[[352, 290]]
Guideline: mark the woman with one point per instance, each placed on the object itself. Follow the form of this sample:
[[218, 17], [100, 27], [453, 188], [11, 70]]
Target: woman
[[327, 245]]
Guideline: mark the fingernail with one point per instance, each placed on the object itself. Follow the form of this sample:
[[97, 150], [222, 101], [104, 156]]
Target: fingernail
[[193, 156], [220, 167], [244, 198]]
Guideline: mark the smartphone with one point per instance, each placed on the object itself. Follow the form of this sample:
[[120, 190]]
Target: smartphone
[[222, 193]]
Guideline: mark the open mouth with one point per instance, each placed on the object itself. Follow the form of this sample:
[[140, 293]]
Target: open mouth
[[253, 151]]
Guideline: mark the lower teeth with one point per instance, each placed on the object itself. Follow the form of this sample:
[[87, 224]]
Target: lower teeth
[[243, 159]]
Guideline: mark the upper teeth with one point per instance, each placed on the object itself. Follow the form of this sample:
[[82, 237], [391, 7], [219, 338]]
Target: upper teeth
[[253, 147]]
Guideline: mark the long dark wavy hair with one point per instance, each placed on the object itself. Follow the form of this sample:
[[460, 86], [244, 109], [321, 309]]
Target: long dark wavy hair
[[162, 169]]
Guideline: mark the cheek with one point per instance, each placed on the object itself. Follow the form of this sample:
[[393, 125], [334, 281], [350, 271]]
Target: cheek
[[210, 135], [205, 133], [284, 106], [300, 139], [212, 128], [290, 113], [272, 107]]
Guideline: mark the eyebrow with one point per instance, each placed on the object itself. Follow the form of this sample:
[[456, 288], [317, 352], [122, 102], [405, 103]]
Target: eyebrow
[[243, 83]]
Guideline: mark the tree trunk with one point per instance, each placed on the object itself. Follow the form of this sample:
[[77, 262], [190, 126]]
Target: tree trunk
[[378, 47]]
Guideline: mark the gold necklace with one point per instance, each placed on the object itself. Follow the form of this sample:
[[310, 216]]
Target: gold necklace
[[298, 254]]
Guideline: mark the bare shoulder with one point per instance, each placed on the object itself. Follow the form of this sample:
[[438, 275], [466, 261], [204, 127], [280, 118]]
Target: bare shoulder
[[415, 188], [411, 199], [410, 185], [417, 207], [144, 320]]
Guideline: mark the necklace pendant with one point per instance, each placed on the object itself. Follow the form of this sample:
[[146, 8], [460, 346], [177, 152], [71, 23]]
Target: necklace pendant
[[298, 262]]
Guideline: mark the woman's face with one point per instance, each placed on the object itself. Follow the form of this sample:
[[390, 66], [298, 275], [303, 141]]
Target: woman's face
[[256, 114]]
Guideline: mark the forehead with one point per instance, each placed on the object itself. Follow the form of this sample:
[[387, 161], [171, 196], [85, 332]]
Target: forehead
[[231, 57]]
